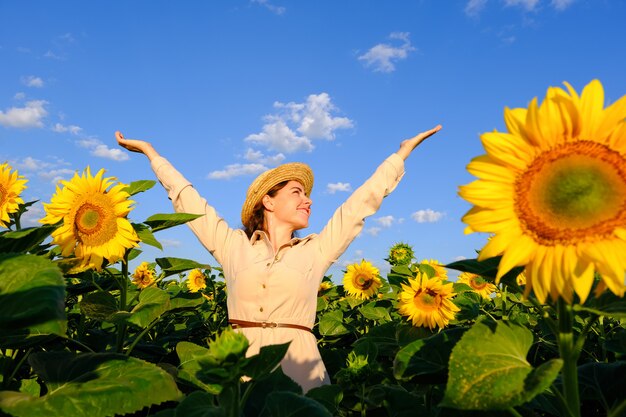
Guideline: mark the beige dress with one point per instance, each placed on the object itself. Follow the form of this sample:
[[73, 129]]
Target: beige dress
[[280, 287]]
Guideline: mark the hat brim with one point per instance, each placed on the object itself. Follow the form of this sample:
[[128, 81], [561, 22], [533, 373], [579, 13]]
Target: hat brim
[[293, 171]]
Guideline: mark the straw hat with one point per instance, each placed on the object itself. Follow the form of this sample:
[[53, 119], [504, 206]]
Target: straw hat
[[296, 171]]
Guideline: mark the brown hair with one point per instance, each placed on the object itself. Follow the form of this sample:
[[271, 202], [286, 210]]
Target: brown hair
[[257, 221]]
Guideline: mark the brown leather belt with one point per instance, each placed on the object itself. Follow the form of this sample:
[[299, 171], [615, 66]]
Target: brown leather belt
[[239, 324]]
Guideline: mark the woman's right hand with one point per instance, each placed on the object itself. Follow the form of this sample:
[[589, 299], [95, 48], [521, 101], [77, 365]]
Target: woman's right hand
[[135, 145]]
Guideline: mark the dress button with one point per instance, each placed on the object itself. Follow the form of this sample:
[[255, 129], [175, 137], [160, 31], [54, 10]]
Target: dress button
[[268, 264], [263, 285], [261, 309]]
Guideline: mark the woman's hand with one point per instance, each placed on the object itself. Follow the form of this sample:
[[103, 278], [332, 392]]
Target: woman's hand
[[407, 146], [135, 145]]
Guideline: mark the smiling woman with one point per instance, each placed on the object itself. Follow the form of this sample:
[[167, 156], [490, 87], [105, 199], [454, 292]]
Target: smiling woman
[[273, 277]]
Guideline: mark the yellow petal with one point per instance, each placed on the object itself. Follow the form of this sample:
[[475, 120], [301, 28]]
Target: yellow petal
[[517, 254], [591, 106]]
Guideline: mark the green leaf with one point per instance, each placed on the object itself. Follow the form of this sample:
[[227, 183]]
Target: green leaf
[[426, 356], [608, 304], [199, 404], [329, 396], [165, 221], [24, 240], [136, 187], [153, 302], [487, 269], [289, 404], [146, 235], [488, 369], [171, 266], [193, 359], [603, 382], [32, 300], [372, 312], [331, 324], [265, 361], [99, 305], [186, 300], [93, 384], [259, 390]]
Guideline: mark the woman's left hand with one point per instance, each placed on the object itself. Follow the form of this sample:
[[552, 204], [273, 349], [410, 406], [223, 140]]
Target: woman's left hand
[[407, 146]]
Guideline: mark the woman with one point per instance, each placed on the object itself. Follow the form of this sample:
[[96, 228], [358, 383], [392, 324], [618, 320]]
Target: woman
[[273, 277]]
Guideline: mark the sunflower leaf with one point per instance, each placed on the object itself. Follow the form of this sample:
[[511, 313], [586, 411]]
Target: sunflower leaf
[[171, 266], [488, 369], [153, 302], [24, 240], [146, 236], [331, 324], [140, 186], [608, 304], [93, 384], [165, 221], [32, 297], [290, 404]]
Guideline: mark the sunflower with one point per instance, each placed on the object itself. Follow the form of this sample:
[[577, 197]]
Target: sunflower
[[361, 280], [427, 302], [196, 281], [95, 226], [324, 286], [440, 271], [553, 190], [478, 284], [400, 254], [11, 186], [143, 276]]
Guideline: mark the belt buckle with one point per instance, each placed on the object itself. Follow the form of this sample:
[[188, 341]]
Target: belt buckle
[[270, 324]]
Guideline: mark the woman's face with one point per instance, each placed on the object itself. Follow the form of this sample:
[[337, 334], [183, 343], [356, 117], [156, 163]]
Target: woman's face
[[291, 206]]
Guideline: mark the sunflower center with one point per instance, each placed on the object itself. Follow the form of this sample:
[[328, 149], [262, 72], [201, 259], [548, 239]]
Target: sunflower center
[[426, 300], [95, 222], [363, 282], [572, 193]]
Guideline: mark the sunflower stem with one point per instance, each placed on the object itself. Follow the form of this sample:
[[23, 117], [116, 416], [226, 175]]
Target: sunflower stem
[[123, 284], [514, 412], [569, 353], [141, 335]]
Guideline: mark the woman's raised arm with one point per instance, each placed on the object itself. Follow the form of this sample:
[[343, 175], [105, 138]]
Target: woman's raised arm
[[135, 145]]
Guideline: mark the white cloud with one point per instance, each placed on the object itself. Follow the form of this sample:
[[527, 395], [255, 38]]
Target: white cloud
[[32, 164], [385, 221], [474, 7], [382, 57], [313, 119], [373, 231], [460, 258], [31, 115], [101, 150], [427, 216], [32, 215], [260, 158], [236, 170], [529, 5], [52, 55], [56, 175], [332, 188], [171, 243], [59, 128], [277, 136], [19, 96], [561, 4], [279, 10], [32, 81]]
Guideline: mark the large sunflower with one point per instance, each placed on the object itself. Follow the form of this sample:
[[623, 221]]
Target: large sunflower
[[95, 227], [361, 280], [427, 302], [11, 186], [478, 284], [553, 190]]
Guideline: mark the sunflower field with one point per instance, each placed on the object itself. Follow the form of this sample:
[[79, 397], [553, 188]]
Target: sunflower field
[[534, 326]]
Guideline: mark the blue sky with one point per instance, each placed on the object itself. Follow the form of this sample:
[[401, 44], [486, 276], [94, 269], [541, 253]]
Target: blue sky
[[225, 89]]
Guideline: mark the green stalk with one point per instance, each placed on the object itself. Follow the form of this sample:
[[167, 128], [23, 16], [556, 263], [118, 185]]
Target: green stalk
[[17, 368], [141, 335], [569, 354], [513, 411], [123, 284]]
